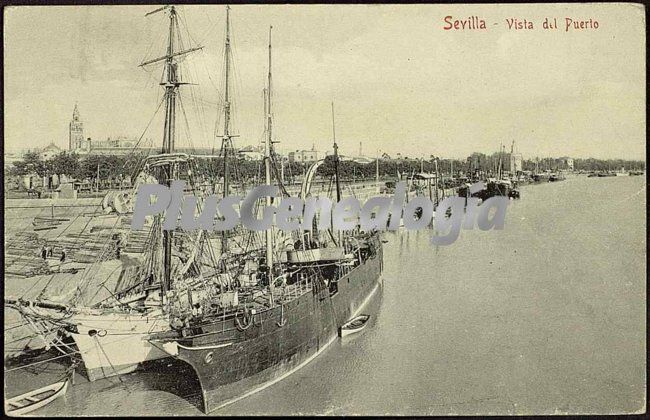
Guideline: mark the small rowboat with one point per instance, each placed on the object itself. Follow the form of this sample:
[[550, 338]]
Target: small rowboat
[[32, 400], [356, 324]]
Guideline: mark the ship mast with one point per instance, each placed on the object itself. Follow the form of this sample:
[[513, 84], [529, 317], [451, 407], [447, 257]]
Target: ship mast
[[171, 85], [336, 171], [226, 142], [336, 159], [168, 143], [377, 171], [267, 168], [512, 158], [499, 162]]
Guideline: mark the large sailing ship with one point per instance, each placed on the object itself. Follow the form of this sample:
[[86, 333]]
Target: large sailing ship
[[242, 311], [110, 337], [305, 292]]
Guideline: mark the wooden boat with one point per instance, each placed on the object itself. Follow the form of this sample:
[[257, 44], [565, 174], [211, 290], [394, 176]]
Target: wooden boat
[[356, 324], [32, 400]]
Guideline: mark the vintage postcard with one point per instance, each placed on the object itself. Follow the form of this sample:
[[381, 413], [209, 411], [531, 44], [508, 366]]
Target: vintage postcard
[[304, 209]]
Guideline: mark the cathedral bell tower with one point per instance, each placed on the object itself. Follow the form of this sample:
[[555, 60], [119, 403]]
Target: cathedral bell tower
[[76, 136]]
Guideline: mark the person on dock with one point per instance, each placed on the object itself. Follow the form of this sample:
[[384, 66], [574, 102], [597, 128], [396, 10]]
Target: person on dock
[[50, 251], [63, 255], [43, 252]]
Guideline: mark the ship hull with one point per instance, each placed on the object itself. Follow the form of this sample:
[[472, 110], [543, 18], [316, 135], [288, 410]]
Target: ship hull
[[109, 343], [116, 344], [238, 363], [355, 289], [233, 364]]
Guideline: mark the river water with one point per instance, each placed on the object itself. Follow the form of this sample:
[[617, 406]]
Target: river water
[[545, 316]]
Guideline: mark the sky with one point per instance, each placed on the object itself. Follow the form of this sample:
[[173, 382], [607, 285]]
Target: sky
[[400, 83]]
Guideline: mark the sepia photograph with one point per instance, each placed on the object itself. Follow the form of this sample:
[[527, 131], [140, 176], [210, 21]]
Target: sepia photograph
[[324, 209]]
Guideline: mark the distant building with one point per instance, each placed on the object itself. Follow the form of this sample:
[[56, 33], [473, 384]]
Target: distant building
[[83, 146], [567, 163], [476, 160], [302, 156], [344, 158], [363, 159], [516, 162], [112, 146], [49, 151], [119, 146], [115, 143], [76, 131], [10, 157], [251, 153]]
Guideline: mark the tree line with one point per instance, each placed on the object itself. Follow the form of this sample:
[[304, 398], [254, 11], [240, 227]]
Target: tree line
[[120, 167]]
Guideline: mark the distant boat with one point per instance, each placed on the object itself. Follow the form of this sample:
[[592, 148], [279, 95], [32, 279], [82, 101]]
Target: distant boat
[[356, 324], [540, 177], [32, 400], [493, 187], [514, 194]]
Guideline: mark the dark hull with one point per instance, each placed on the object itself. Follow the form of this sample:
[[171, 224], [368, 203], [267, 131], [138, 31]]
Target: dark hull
[[492, 190], [356, 288], [232, 364]]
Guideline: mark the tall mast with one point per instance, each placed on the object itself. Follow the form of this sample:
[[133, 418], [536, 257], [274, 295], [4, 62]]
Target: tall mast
[[336, 171], [428, 179], [171, 85], [499, 164], [336, 159], [226, 141], [267, 167], [168, 142], [437, 177], [377, 171], [171, 92]]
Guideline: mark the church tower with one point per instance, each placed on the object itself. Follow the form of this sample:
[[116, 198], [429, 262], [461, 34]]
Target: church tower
[[76, 131]]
